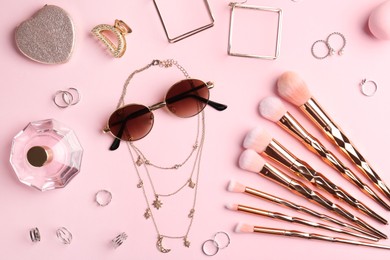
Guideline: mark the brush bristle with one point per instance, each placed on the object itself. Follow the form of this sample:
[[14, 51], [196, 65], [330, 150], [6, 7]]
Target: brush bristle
[[236, 187], [243, 228], [272, 108], [257, 139], [251, 161], [292, 88], [231, 206]]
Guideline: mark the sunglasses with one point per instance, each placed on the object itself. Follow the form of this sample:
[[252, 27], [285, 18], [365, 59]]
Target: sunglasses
[[185, 98]]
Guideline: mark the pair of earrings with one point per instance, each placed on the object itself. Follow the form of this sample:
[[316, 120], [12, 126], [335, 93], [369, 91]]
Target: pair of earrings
[[330, 51]]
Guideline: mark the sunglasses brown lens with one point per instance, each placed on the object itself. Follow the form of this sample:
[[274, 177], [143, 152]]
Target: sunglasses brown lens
[[187, 97], [131, 123]]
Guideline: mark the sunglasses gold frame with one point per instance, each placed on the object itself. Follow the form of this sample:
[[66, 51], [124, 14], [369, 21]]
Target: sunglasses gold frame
[[209, 85]]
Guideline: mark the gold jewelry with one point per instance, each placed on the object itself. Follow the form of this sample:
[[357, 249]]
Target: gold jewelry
[[120, 29], [157, 204], [176, 38], [234, 6], [140, 160]]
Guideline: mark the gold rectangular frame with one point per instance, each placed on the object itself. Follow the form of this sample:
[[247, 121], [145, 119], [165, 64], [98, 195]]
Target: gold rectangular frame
[[278, 36], [189, 33]]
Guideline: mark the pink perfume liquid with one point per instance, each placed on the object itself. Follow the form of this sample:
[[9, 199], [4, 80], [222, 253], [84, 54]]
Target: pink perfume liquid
[[46, 155]]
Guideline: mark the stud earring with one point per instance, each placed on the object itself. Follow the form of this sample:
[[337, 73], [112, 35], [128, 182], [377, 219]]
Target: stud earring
[[120, 29]]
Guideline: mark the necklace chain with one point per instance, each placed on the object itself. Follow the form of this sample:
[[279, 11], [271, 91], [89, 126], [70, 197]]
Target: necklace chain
[[149, 213], [142, 160], [161, 63], [189, 181]]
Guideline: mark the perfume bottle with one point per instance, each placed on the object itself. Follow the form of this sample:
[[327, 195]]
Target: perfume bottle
[[46, 155]]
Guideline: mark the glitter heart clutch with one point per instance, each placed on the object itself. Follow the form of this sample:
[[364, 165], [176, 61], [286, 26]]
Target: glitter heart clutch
[[47, 37]]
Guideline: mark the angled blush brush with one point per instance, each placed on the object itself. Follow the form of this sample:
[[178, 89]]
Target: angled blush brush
[[240, 188], [273, 109], [246, 228], [251, 161], [292, 88], [297, 220], [261, 141]]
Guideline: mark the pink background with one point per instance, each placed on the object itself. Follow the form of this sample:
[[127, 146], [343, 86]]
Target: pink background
[[27, 88]]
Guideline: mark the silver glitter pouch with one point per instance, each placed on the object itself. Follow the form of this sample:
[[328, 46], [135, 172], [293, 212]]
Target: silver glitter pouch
[[47, 37]]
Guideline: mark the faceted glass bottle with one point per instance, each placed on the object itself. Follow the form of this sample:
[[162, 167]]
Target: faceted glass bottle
[[46, 155]]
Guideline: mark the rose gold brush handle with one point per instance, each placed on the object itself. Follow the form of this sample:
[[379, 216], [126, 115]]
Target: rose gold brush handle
[[300, 234], [288, 123], [313, 110], [301, 189], [281, 155], [280, 216], [303, 209]]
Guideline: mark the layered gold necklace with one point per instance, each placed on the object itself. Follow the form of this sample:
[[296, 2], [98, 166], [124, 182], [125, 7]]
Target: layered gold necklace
[[192, 182], [140, 161]]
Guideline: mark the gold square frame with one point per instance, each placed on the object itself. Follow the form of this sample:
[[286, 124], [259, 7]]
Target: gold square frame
[[189, 33], [278, 36]]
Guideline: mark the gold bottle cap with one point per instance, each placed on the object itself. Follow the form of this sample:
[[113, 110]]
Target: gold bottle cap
[[38, 156]]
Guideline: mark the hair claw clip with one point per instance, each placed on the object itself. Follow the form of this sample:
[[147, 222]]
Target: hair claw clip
[[120, 29]]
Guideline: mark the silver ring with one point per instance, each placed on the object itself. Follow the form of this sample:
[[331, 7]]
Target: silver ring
[[66, 98], [314, 53], [341, 50], [62, 99], [76, 95], [208, 253], [103, 197], [118, 240], [227, 237], [64, 235], [363, 87], [35, 235]]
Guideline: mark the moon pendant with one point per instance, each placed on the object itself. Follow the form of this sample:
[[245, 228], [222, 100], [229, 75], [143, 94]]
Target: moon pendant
[[160, 247]]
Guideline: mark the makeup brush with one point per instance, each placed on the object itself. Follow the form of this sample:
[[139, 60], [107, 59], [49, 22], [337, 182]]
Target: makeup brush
[[251, 161], [273, 109], [280, 216], [292, 88], [261, 141], [240, 188], [246, 228]]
